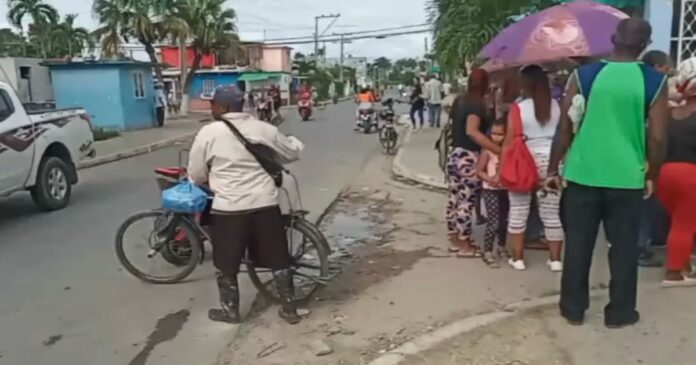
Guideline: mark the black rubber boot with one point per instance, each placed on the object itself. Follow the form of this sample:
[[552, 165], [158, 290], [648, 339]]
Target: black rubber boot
[[229, 300], [286, 291]]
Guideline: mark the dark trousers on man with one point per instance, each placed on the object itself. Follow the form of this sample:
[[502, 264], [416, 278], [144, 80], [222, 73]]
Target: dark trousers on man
[[583, 209], [160, 116]]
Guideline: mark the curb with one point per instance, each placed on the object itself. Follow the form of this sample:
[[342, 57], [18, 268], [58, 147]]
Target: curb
[[401, 171], [97, 161], [428, 341]]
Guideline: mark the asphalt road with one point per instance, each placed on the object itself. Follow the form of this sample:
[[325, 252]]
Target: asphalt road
[[65, 299]]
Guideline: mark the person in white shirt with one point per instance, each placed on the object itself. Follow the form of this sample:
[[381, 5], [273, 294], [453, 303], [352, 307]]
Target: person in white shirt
[[433, 95], [245, 210], [160, 104], [447, 89]]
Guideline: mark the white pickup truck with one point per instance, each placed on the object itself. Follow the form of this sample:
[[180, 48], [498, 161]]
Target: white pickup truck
[[40, 150]]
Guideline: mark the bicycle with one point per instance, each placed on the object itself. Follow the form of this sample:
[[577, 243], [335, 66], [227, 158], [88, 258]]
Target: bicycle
[[388, 137], [180, 240]]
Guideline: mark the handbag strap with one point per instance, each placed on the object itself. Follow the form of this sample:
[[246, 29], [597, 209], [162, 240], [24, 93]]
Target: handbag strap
[[516, 115]]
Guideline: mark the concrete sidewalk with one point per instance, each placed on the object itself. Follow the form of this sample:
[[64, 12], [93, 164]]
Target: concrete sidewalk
[[139, 142]]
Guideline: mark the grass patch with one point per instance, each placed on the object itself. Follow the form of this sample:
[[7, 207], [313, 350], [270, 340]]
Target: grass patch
[[101, 134]]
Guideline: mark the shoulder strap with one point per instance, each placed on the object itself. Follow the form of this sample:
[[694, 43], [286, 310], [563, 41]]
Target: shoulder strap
[[516, 115], [236, 132]]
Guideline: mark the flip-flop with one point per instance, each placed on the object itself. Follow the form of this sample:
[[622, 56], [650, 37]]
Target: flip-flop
[[471, 254], [687, 282], [453, 249]]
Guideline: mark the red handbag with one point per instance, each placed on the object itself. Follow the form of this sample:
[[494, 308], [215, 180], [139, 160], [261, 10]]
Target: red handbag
[[519, 172]]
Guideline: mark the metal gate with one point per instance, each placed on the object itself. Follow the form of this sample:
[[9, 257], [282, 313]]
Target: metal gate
[[685, 37]]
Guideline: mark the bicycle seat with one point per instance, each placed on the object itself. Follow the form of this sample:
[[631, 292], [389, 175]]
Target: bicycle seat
[[173, 172]]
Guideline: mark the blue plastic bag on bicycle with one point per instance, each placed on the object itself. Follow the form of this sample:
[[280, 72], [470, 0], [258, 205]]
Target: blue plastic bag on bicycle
[[185, 197]]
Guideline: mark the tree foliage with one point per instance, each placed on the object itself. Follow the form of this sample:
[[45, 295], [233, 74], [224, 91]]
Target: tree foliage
[[463, 27]]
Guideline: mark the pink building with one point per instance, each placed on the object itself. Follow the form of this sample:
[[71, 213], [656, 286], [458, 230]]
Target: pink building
[[276, 59]]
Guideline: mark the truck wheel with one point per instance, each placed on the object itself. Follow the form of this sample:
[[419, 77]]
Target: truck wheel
[[52, 190]]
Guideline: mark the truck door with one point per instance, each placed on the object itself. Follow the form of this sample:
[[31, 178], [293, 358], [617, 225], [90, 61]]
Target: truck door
[[17, 135]]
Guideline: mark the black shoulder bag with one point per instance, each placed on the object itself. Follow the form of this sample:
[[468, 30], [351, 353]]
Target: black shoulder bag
[[264, 155]]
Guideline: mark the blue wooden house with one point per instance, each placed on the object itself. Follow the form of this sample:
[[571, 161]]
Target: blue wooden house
[[118, 94]]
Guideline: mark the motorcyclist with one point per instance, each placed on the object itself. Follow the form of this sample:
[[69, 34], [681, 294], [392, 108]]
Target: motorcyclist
[[365, 100], [274, 95]]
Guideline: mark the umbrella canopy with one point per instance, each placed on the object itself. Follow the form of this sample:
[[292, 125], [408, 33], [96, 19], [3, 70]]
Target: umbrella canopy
[[578, 29]]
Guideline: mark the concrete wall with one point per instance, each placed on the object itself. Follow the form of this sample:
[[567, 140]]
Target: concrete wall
[[276, 59], [659, 14], [138, 113], [38, 87], [96, 89]]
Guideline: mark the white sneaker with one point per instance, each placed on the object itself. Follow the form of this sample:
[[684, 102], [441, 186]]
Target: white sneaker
[[555, 266], [517, 264]]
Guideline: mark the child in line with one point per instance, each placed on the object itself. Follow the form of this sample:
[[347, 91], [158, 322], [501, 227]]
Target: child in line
[[495, 199]]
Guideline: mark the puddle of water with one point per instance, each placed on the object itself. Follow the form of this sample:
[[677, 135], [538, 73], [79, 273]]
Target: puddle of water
[[166, 329]]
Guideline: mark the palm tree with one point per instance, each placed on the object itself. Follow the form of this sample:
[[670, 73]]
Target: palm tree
[[143, 20], [210, 27], [37, 10], [40, 13], [74, 38]]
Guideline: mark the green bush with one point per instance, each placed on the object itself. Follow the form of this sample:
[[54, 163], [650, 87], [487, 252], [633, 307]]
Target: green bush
[[101, 134]]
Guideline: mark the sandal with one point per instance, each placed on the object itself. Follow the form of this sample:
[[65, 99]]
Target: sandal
[[453, 249], [491, 260], [469, 254]]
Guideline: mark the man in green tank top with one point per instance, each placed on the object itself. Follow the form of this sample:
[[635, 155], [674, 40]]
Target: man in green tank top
[[606, 170]]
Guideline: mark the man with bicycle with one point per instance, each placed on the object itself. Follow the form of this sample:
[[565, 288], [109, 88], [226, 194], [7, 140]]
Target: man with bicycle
[[245, 211]]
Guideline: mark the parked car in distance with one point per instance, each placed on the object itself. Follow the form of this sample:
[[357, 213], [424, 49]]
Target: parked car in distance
[[40, 150]]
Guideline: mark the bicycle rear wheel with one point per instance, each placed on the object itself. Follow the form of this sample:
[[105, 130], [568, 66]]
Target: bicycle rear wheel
[[310, 262], [165, 242]]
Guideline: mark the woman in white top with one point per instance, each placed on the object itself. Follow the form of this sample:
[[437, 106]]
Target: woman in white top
[[540, 115]]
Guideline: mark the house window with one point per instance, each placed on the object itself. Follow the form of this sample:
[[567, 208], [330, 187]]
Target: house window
[[208, 87], [138, 85]]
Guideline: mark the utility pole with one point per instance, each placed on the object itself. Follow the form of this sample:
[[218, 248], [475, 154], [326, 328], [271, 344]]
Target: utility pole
[[183, 63], [316, 32], [340, 64]]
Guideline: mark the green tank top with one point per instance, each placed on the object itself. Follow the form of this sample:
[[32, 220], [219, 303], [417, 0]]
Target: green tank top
[[609, 149]]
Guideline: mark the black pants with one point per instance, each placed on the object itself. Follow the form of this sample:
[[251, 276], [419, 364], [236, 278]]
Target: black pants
[[497, 207], [583, 208], [417, 109], [262, 231], [160, 116]]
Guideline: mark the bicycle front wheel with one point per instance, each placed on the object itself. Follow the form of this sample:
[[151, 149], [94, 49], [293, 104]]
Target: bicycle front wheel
[[310, 262], [158, 247]]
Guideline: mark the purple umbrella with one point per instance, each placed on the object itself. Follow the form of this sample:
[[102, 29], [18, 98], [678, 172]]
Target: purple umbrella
[[578, 29]]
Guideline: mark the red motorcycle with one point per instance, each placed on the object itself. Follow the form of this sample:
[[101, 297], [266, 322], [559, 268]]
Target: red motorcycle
[[304, 106]]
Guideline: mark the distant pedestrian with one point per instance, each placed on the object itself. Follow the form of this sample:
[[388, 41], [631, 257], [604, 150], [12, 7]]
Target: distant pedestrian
[[417, 104], [160, 104], [606, 172], [433, 95], [539, 114], [495, 198], [470, 121], [677, 182]]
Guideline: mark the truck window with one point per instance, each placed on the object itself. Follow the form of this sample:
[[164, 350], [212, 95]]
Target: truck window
[[6, 107]]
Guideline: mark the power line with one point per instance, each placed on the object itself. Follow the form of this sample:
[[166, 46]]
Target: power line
[[350, 33], [338, 39]]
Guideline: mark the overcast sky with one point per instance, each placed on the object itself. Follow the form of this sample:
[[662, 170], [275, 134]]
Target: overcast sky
[[291, 18]]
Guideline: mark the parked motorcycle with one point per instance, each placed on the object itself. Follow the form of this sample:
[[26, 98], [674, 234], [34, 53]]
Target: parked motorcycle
[[304, 107]]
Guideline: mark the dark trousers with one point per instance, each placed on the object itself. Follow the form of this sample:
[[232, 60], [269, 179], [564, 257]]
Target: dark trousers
[[416, 109], [261, 231], [498, 208], [583, 209], [160, 116]]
